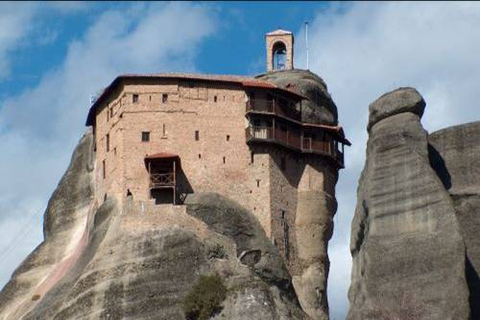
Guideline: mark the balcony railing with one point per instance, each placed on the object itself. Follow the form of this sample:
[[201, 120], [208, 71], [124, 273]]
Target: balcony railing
[[274, 107], [295, 140], [161, 180]]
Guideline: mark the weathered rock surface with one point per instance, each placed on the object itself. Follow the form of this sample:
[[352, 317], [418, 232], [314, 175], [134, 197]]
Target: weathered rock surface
[[64, 225], [139, 262], [319, 108], [407, 246], [455, 156], [395, 102], [314, 225]]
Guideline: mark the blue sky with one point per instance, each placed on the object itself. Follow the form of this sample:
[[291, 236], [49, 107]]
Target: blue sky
[[54, 55], [237, 47]]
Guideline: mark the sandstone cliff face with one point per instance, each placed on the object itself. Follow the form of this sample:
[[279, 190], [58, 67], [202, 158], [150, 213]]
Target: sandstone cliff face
[[140, 261], [455, 156], [406, 242]]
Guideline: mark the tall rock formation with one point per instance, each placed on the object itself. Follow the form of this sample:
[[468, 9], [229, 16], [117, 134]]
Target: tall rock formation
[[315, 207], [407, 245], [455, 156], [100, 261]]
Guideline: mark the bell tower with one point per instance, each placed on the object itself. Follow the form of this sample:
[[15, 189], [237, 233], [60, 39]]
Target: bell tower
[[279, 50]]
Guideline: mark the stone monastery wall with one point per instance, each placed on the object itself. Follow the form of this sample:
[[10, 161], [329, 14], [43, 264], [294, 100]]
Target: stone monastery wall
[[204, 124]]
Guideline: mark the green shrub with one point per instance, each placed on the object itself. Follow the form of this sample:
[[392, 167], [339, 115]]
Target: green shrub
[[205, 298], [216, 251]]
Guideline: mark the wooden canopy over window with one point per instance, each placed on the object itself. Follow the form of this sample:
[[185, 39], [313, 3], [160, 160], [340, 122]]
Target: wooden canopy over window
[[163, 156]]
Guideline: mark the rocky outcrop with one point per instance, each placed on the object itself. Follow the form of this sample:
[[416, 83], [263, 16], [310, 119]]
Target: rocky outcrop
[[406, 243], [455, 156], [65, 223], [314, 228], [141, 261], [396, 102], [319, 108]]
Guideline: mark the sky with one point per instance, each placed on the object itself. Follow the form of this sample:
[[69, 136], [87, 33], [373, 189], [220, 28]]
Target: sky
[[55, 55]]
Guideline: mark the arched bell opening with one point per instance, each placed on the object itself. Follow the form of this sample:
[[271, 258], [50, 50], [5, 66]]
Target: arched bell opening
[[279, 53]]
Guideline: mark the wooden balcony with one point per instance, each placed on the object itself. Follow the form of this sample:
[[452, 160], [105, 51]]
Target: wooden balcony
[[162, 180], [274, 107], [294, 139]]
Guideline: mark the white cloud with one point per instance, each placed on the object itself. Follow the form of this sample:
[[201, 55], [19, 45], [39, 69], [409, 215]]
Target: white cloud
[[15, 24], [40, 127], [366, 49]]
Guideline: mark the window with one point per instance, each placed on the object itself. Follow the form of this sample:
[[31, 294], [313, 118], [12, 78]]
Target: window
[[150, 98], [111, 112], [104, 173], [108, 142], [199, 156], [108, 115], [197, 135], [228, 137], [164, 98], [252, 157], [115, 151], [283, 164], [164, 130], [224, 160], [145, 136], [258, 183], [215, 99], [135, 98]]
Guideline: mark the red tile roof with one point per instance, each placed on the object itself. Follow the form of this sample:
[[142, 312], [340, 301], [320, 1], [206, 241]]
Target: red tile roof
[[162, 155]]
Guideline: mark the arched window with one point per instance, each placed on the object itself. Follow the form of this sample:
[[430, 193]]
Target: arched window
[[279, 52]]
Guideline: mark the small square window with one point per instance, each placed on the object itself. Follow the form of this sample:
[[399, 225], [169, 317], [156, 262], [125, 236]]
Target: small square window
[[135, 98], [145, 136], [164, 98]]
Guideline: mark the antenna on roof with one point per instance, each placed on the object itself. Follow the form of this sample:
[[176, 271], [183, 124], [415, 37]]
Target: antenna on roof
[[306, 40]]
